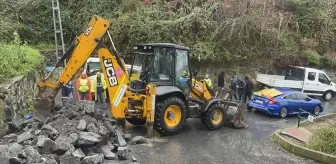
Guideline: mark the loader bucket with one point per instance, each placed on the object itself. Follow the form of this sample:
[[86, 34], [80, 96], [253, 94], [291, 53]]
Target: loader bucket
[[233, 110]]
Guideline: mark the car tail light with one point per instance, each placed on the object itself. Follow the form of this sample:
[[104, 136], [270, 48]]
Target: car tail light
[[272, 101]]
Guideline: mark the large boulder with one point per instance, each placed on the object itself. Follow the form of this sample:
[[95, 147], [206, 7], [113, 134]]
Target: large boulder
[[88, 138]]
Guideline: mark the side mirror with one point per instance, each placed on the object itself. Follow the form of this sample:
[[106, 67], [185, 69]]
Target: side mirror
[[307, 99]]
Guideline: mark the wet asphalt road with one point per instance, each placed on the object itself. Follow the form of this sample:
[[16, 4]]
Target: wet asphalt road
[[195, 144]]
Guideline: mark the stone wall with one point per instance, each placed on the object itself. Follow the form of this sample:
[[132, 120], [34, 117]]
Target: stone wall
[[16, 97]]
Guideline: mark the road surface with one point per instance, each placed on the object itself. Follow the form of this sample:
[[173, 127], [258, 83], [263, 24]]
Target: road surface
[[195, 144]]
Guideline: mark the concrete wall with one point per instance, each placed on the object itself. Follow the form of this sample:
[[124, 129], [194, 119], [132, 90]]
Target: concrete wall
[[16, 97]]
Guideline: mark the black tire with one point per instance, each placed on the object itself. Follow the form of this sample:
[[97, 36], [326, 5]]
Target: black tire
[[207, 117], [136, 121], [282, 115], [160, 124], [327, 96], [316, 111]]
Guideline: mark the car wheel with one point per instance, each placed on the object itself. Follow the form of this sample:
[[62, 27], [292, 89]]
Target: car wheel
[[283, 112], [316, 110], [327, 96]]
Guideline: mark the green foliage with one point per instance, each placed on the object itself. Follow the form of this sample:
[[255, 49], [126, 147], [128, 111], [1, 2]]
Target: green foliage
[[16, 59], [226, 31], [324, 140], [313, 57]]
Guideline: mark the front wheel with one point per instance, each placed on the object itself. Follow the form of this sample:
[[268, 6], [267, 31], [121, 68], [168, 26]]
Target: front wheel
[[316, 111], [213, 118], [169, 116]]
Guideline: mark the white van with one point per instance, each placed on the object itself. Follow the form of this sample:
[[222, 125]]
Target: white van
[[311, 81]]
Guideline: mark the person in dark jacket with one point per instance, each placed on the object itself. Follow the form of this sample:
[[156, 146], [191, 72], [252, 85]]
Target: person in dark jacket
[[221, 79], [233, 87], [241, 88], [248, 89]]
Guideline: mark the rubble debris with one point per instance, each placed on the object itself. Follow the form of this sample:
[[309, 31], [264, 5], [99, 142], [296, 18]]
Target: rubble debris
[[121, 140], [25, 136], [122, 153], [134, 159], [138, 140], [78, 153], [78, 134], [94, 159], [108, 154], [81, 125], [92, 128]]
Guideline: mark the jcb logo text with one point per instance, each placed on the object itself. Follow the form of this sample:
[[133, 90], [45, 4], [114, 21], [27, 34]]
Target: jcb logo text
[[112, 79]]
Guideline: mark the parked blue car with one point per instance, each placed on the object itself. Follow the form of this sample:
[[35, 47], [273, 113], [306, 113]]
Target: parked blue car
[[283, 102]]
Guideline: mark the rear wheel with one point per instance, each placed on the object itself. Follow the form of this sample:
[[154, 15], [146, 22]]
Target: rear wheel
[[327, 96], [316, 111], [213, 118], [283, 112], [169, 116], [136, 121]]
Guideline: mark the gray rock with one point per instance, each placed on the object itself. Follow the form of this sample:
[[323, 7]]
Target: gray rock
[[12, 136], [88, 138], [111, 120], [35, 125], [122, 153], [110, 145], [81, 125], [121, 140], [48, 129], [74, 138], [48, 160], [127, 137], [62, 144], [94, 159], [69, 159], [91, 127], [108, 154], [32, 155], [138, 140], [71, 114], [45, 144], [15, 149], [15, 160], [79, 154], [37, 132], [103, 130], [109, 126], [134, 159], [22, 155], [12, 127], [25, 136]]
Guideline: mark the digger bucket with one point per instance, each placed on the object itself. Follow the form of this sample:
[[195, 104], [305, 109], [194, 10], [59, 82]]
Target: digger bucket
[[233, 110], [44, 104]]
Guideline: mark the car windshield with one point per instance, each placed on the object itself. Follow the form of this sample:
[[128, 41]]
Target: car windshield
[[93, 68]]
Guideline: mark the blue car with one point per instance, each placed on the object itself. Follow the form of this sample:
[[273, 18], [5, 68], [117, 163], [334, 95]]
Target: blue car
[[283, 102]]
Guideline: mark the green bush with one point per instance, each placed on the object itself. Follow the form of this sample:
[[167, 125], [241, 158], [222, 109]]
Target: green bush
[[324, 140], [17, 59]]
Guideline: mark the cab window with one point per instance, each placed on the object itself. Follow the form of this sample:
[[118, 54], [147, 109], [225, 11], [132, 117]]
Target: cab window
[[311, 76], [162, 64], [323, 79]]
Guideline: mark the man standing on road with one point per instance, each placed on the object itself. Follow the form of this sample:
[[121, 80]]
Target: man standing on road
[[221, 80], [98, 88], [241, 88], [233, 87], [83, 86], [248, 89]]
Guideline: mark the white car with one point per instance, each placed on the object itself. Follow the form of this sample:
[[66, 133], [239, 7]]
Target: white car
[[311, 81]]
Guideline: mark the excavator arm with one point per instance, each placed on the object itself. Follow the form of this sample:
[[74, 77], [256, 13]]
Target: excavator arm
[[80, 50]]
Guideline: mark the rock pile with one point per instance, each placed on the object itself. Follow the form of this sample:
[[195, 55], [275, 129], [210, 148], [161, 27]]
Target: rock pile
[[78, 134]]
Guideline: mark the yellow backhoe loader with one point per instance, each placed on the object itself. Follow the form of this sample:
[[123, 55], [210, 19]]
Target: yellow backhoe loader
[[162, 95]]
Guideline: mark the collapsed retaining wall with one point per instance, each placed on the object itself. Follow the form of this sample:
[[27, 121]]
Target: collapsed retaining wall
[[16, 97]]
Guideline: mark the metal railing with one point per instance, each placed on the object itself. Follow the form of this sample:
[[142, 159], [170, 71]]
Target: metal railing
[[310, 116]]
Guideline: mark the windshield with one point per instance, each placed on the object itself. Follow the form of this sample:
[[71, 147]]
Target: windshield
[[140, 66], [93, 68]]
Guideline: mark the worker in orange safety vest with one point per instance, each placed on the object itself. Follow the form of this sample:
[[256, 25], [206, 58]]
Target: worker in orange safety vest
[[83, 86]]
